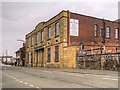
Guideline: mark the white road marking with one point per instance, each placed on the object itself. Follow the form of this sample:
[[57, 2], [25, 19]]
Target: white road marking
[[96, 75], [110, 79], [107, 76], [37, 87], [47, 71], [115, 79], [25, 83], [72, 74], [23, 68], [80, 75], [30, 85], [20, 81]]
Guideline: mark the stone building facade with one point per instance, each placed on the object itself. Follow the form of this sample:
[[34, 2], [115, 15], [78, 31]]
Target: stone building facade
[[56, 42]]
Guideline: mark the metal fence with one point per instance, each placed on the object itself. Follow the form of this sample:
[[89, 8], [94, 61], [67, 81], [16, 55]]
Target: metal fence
[[109, 61]]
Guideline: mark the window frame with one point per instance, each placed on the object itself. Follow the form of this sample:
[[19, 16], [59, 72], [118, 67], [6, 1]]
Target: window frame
[[36, 38], [29, 42], [56, 53], [32, 40], [57, 29], [108, 33], [42, 35], [49, 54], [117, 33], [101, 31], [49, 32], [95, 30]]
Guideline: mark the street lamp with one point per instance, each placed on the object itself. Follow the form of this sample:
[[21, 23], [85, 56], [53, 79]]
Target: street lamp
[[20, 40]]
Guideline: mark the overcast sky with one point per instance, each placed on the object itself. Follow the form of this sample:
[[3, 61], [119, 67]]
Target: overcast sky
[[19, 18]]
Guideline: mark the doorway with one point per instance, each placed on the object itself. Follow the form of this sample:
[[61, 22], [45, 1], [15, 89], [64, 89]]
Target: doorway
[[40, 57]]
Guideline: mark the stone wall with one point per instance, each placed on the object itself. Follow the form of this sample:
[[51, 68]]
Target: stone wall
[[69, 57], [104, 62]]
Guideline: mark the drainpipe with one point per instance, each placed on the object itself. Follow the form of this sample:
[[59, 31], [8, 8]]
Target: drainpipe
[[68, 13]]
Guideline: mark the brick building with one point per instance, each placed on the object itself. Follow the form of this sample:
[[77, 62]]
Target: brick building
[[20, 56], [56, 42]]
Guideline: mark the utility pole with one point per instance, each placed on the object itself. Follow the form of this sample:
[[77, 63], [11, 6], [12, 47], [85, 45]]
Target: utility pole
[[103, 35], [6, 55], [103, 42]]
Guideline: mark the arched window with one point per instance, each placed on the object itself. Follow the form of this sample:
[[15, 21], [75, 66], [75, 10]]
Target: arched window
[[116, 33]]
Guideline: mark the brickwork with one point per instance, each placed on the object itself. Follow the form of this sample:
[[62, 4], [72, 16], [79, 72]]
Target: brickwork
[[86, 33], [68, 46]]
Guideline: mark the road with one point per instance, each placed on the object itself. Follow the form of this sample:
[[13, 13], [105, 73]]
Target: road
[[25, 77]]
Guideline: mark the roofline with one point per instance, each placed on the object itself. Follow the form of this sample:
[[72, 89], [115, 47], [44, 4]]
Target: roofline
[[94, 17], [72, 13], [47, 20]]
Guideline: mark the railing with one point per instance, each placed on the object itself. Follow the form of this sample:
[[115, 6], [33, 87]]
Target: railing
[[109, 61]]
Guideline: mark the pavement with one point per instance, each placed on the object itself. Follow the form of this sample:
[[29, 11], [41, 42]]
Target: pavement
[[81, 71], [76, 70]]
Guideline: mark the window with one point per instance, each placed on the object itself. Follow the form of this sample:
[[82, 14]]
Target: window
[[101, 32], [37, 38], [29, 42], [49, 32], [96, 30], [42, 35], [48, 54], [56, 53], [57, 29], [32, 40], [74, 27], [107, 32], [29, 57], [116, 33]]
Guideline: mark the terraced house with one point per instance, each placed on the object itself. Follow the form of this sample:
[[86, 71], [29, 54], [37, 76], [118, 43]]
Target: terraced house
[[56, 42]]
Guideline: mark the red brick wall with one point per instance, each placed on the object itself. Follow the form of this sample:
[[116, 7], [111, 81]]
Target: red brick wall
[[85, 27], [86, 31]]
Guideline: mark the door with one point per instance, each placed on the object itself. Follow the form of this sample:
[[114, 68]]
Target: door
[[37, 58], [42, 63]]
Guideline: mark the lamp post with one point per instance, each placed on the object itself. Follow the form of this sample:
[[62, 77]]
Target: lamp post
[[21, 40]]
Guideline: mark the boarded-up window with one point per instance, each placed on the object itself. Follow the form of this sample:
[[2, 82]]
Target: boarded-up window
[[74, 30], [48, 54], [56, 53]]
